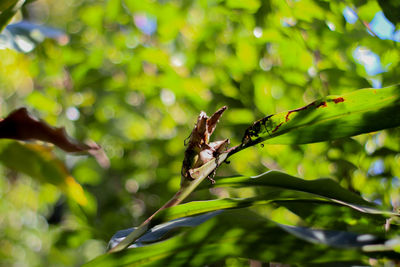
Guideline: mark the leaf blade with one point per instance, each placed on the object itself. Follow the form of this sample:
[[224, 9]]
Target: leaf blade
[[238, 233], [329, 118], [323, 187], [41, 164], [20, 125]]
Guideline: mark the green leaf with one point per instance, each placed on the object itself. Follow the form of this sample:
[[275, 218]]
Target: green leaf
[[330, 118], [5, 4], [8, 10], [198, 207], [323, 187], [41, 164], [310, 194], [241, 233], [329, 237], [391, 9], [295, 202], [158, 232], [330, 215]]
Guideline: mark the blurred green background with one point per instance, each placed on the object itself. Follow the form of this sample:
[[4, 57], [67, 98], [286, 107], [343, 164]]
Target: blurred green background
[[133, 76]]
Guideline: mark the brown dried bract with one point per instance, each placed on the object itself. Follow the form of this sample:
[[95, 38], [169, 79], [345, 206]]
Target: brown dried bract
[[200, 150], [20, 125]]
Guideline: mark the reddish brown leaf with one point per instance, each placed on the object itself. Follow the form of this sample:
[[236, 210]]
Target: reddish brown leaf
[[200, 150], [213, 120], [20, 125]]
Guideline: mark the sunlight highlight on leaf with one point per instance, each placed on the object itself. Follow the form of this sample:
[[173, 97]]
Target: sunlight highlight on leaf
[[75, 191], [330, 118]]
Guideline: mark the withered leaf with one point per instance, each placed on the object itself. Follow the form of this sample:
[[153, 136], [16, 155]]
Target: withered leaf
[[20, 125], [200, 150]]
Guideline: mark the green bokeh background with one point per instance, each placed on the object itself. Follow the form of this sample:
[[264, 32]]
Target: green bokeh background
[[134, 75]]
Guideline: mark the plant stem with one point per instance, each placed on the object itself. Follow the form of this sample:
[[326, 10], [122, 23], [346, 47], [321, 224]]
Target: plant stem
[[198, 174]]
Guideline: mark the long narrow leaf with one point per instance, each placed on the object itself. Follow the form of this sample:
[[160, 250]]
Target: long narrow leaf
[[324, 187], [199, 207], [9, 8], [242, 233], [21, 125], [329, 118], [159, 231]]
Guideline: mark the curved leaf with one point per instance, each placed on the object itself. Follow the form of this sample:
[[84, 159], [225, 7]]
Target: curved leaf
[[242, 233], [5, 4], [20, 125], [8, 10], [41, 164], [158, 232], [329, 118], [198, 207], [330, 237], [293, 198], [323, 187]]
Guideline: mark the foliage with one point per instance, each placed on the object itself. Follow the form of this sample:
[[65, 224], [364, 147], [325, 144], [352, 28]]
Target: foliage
[[133, 76]]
